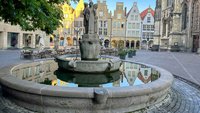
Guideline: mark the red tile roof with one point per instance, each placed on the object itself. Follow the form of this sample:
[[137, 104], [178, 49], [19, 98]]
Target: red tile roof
[[145, 12], [141, 77]]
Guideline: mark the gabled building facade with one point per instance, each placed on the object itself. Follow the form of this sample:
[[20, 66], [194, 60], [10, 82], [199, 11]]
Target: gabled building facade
[[133, 27], [119, 26], [104, 23], [147, 17]]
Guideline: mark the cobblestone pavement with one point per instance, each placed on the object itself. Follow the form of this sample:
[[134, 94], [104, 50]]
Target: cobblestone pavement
[[185, 96], [184, 99], [186, 65]]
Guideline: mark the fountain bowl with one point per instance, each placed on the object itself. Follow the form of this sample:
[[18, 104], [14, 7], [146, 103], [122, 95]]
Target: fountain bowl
[[71, 63], [55, 99]]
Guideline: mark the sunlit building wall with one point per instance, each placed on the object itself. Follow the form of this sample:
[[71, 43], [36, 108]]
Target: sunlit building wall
[[147, 27], [133, 27]]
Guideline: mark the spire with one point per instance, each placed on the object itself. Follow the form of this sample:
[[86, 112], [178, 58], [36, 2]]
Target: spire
[[149, 9]]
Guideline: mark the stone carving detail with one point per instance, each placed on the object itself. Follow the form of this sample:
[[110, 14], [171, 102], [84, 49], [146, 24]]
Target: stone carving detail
[[90, 43], [90, 18]]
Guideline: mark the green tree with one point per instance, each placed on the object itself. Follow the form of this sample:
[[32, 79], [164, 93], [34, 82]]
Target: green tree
[[33, 14]]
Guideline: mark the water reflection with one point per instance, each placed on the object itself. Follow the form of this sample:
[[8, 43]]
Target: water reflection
[[130, 74], [87, 80]]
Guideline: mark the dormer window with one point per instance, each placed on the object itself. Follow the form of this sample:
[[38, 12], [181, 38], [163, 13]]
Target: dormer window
[[148, 19]]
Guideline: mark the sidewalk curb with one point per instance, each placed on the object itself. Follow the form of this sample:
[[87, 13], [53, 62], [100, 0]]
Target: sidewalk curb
[[193, 84]]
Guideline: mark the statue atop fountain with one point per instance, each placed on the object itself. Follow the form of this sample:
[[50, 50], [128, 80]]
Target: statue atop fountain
[[89, 49], [90, 43]]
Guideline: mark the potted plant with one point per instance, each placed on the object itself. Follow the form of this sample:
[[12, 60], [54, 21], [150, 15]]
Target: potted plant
[[122, 54], [134, 52], [131, 53]]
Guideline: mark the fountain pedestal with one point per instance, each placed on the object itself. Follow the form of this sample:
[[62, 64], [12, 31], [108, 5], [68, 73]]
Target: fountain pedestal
[[90, 47]]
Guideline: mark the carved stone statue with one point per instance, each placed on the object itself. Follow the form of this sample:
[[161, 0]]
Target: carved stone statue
[[89, 45], [95, 18], [86, 14], [90, 18]]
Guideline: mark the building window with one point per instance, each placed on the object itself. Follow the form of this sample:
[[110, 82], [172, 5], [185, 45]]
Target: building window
[[148, 28], [101, 23], [100, 31], [133, 33], [136, 17], [151, 35], [129, 33], [169, 3], [105, 31], [145, 72], [143, 35], [144, 27], [184, 17], [133, 26], [68, 31], [65, 15], [122, 25], [129, 25], [148, 19], [118, 25], [137, 33], [114, 24], [138, 26], [152, 27], [105, 24], [119, 16], [132, 17]]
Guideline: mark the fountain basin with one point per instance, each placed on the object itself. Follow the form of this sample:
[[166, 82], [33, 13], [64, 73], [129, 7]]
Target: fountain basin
[[70, 63], [48, 99]]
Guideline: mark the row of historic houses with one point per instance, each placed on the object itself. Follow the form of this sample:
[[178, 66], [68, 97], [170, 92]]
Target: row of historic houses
[[125, 28], [130, 29], [177, 24], [119, 29]]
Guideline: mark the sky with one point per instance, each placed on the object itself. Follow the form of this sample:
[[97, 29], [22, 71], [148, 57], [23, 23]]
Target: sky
[[142, 4]]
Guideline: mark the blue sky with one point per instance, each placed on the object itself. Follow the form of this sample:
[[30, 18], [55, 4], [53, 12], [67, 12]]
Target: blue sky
[[142, 4]]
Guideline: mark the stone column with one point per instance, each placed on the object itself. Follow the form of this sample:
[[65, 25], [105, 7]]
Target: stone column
[[176, 25], [189, 37], [5, 38], [20, 40], [166, 29], [164, 4], [33, 40], [198, 51], [135, 42], [1, 40]]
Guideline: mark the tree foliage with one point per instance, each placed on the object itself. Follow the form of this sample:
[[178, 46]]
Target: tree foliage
[[33, 14]]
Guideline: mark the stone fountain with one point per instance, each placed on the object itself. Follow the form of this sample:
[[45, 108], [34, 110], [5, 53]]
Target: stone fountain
[[22, 83], [89, 49]]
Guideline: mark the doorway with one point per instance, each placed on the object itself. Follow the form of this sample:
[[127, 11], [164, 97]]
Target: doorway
[[195, 43], [12, 40]]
